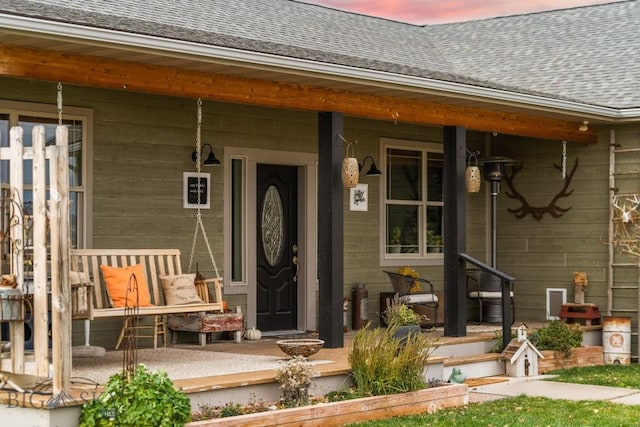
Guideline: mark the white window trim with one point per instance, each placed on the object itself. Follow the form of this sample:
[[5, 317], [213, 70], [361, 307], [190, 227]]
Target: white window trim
[[18, 108], [394, 260]]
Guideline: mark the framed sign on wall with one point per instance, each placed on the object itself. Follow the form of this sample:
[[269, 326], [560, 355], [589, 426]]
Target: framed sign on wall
[[359, 197], [194, 186]]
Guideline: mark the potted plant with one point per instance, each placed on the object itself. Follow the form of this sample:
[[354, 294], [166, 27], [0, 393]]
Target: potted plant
[[434, 242], [401, 318], [395, 242]]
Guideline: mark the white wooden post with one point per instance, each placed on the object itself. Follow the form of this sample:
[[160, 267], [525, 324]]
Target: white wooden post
[[17, 249], [40, 279], [61, 289], [60, 302]]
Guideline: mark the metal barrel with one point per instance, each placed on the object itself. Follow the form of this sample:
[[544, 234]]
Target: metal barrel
[[616, 340]]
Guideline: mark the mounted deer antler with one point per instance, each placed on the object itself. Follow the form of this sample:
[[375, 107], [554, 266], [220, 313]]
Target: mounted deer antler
[[627, 214], [537, 212]]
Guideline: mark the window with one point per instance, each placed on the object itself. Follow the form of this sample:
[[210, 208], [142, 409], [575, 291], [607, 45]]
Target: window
[[238, 215], [29, 115], [413, 200]]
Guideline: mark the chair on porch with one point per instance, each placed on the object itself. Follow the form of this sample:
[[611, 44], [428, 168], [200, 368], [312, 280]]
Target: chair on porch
[[424, 302], [485, 288]]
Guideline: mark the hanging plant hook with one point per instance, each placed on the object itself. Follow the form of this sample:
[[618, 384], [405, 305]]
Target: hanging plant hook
[[473, 155], [349, 145]]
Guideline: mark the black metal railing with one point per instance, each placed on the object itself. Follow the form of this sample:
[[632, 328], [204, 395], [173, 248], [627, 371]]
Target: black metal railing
[[506, 285]]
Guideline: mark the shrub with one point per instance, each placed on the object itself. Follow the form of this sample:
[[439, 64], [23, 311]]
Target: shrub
[[383, 364], [557, 335], [147, 399], [231, 410], [295, 377]]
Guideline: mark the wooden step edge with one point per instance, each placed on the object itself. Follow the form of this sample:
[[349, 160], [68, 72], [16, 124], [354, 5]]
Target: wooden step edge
[[476, 358], [475, 338]]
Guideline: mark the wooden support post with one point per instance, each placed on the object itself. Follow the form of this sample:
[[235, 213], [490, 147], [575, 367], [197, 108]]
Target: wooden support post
[[40, 277], [330, 229], [17, 249], [60, 286], [455, 226]]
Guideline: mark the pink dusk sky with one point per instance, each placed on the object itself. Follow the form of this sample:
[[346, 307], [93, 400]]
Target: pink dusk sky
[[441, 11]]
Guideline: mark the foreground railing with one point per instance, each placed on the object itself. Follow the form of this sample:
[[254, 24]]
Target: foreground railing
[[506, 284]]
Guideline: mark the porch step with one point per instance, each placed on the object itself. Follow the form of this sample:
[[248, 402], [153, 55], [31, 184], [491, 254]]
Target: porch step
[[471, 354], [464, 346], [475, 366]]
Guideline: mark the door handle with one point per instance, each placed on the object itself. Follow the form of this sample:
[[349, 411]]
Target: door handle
[[295, 262]]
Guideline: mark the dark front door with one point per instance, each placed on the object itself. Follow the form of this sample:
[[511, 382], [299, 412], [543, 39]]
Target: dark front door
[[277, 256]]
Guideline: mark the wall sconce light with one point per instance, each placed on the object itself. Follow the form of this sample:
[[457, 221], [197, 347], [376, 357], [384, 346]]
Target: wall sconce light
[[584, 126], [373, 170], [211, 159]]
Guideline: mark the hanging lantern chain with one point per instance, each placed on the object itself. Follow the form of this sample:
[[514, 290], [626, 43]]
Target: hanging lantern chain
[[60, 103], [564, 160]]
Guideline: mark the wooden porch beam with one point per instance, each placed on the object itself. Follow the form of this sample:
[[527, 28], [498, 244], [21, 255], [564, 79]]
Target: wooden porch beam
[[99, 72]]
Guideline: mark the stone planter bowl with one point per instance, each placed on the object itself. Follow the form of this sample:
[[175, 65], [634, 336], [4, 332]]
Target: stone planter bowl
[[300, 347]]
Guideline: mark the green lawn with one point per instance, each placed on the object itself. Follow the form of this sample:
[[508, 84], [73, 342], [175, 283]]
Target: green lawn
[[524, 412], [540, 412]]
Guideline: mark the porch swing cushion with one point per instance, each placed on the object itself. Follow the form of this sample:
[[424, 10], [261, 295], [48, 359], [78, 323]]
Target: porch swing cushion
[[180, 289], [117, 281]]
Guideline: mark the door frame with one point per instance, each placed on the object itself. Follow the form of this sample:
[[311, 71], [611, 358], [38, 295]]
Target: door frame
[[307, 164]]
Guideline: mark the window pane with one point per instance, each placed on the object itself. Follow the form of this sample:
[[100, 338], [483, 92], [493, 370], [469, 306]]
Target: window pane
[[402, 229], [404, 174], [75, 152], [434, 229], [74, 141], [27, 124], [4, 130], [237, 214], [434, 177], [75, 218]]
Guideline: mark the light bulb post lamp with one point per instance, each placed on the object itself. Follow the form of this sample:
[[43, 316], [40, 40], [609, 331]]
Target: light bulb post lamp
[[373, 170], [211, 158], [491, 281]]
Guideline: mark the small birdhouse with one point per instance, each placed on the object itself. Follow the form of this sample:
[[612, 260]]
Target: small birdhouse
[[521, 357]]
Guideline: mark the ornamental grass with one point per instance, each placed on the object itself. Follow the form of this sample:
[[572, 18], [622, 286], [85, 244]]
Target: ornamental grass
[[382, 363]]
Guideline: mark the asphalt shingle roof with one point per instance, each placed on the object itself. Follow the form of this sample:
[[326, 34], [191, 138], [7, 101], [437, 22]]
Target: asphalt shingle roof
[[589, 54]]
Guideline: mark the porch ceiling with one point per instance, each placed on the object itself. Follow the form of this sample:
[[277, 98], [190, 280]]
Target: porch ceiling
[[357, 94]]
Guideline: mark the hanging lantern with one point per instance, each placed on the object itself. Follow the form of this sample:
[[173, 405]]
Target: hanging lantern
[[472, 175], [350, 173], [350, 168]]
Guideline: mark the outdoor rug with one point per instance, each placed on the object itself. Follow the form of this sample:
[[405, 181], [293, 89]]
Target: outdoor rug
[[177, 363]]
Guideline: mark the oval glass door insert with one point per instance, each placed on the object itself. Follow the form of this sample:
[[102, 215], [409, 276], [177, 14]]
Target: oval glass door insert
[[272, 226]]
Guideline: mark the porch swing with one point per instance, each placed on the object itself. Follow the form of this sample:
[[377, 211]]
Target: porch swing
[[200, 282], [205, 323]]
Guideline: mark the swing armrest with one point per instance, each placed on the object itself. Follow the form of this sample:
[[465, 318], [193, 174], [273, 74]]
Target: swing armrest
[[203, 289]]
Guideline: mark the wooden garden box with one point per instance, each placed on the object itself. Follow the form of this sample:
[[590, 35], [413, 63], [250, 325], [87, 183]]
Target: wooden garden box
[[580, 356]]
